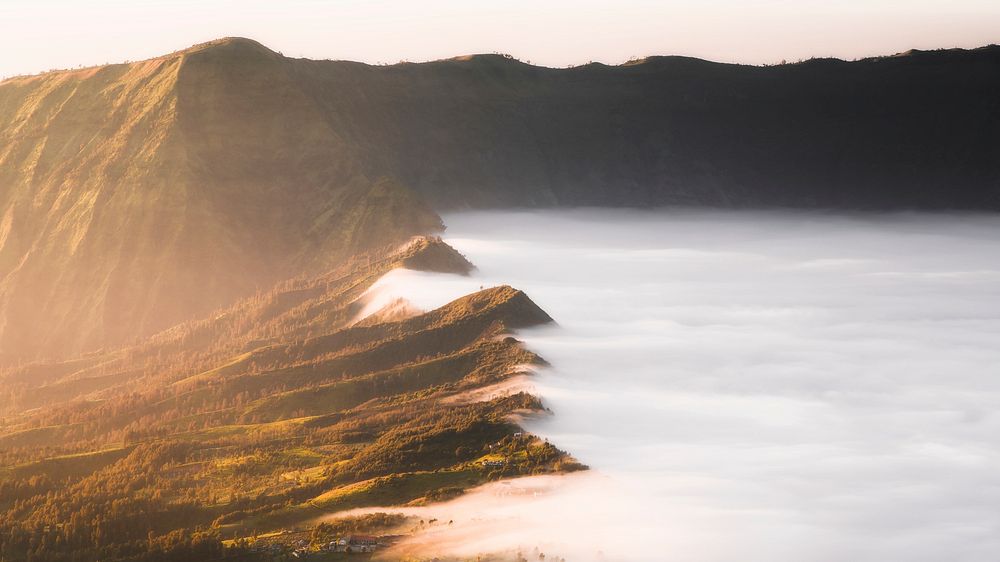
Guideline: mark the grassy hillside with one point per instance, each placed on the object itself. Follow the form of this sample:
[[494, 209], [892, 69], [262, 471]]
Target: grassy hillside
[[133, 197], [915, 130], [262, 417]]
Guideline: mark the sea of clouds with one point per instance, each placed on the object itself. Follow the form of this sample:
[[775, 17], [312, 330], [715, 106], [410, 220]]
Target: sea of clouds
[[752, 386]]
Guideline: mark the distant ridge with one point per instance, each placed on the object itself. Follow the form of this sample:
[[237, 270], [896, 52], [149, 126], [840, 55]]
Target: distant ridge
[[252, 44], [916, 130]]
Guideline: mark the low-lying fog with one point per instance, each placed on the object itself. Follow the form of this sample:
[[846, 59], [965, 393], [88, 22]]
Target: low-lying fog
[[748, 386]]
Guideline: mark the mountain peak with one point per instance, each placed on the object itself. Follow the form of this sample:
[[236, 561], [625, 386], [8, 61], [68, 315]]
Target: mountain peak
[[504, 303], [213, 162], [486, 59], [231, 44]]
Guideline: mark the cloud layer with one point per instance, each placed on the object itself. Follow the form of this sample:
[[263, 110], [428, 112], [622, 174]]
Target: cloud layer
[[752, 386]]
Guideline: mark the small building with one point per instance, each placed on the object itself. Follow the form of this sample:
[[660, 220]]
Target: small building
[[358, 543]]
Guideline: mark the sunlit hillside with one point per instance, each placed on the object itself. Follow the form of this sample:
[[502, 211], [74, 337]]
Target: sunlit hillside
[[285, 407], [140, 195]]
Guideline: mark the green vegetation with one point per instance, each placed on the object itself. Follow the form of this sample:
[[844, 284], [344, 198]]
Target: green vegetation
[[137, 196], [269, 414], [369, 523]]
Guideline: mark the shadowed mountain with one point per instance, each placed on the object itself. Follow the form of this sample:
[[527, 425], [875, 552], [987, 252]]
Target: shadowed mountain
[[920, 130]]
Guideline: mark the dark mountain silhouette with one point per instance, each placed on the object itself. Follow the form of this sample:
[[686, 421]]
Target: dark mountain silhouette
[[920, 130]]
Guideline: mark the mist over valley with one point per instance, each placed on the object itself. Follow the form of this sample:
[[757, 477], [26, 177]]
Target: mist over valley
[[760, 385]]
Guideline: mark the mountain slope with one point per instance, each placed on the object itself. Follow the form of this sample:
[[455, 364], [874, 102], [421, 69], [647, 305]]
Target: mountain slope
[[137, 196], [283, 407], [918, 130], [293, 310]]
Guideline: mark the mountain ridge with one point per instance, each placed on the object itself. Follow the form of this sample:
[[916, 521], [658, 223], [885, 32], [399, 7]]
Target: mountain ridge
[[253, 44], [140, 195], [262, 416], [137, 196]]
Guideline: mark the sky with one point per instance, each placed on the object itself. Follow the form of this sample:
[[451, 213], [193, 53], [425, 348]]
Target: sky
[[753, 386], [39, 35]]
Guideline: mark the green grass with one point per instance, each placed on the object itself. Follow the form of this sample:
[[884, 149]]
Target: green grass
[[276, 429], [347, 394], [396, 489], [69, 466], [298, 463], [393, 490], [311, 474], [35, 437], [234, 366]]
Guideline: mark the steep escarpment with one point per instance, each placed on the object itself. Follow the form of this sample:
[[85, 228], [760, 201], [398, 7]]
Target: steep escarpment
[[914, 131], [138, 196]]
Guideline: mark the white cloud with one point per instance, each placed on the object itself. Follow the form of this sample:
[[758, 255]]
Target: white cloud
[[749, 386]]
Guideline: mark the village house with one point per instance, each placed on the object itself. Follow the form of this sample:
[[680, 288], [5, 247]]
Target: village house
[[357, 543]]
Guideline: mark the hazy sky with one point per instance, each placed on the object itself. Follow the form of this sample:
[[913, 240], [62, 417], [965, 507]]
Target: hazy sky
[[37, 35]]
